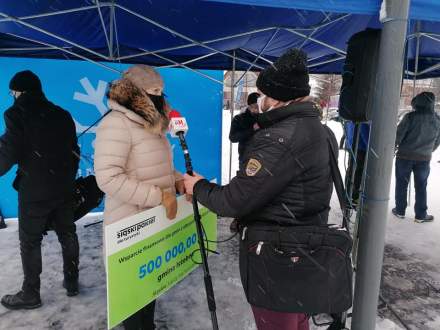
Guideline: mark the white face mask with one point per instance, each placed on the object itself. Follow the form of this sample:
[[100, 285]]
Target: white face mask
[[260, 101], [16, 94]]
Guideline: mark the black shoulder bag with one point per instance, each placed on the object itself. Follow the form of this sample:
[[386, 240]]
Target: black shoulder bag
[[87, 195], [299, 269]]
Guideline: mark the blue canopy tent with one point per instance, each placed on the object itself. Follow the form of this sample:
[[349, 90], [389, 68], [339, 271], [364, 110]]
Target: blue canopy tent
[[247, 35], [174, 33]]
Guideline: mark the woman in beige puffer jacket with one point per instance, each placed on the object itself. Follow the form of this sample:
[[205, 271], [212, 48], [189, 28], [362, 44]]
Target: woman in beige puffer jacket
[[133, 158]]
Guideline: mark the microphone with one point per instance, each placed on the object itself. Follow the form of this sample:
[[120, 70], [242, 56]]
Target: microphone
[[178, 128], [177, 124]]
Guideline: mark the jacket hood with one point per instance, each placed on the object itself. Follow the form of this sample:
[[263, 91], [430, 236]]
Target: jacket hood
[[423, 102], [299, 109], [125, 97]]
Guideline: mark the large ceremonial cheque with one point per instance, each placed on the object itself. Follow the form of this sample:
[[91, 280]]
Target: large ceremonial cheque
[[147, 254]]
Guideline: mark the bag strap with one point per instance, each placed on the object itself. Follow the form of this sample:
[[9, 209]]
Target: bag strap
[[94, 123], [339, 185]]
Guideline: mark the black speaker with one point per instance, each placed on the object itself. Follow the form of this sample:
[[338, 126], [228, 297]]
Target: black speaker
[[359, 76]]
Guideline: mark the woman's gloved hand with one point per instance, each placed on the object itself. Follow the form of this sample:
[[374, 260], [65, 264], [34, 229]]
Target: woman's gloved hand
[[180, 186], [169, 201]]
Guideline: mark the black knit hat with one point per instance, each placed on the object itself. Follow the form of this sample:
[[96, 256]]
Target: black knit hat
[[252, 98], [288, 78], [25, 81]]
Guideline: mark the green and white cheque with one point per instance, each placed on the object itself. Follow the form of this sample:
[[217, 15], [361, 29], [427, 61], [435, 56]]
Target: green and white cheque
[[147, 254]]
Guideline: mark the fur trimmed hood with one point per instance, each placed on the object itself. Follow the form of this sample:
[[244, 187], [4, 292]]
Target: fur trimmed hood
[[125, 97]]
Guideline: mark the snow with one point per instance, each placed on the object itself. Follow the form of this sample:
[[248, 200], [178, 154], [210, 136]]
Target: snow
[[410, 276]]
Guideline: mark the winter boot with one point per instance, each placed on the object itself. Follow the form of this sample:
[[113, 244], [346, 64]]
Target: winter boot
[[72, 287], [427, 218], [2, 221], [21, 300], [400, 216]]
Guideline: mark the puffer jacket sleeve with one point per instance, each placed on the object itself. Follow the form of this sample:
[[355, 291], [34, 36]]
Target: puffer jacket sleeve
[[112, 148], [273, 168]]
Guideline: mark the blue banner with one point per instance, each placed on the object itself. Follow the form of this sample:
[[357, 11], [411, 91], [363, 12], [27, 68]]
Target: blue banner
[[80, 88]]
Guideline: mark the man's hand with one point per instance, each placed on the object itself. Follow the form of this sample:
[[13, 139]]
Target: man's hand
[[190, 182]]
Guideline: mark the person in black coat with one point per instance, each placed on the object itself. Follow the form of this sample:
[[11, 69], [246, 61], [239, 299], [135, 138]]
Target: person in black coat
[[287, 178], [40, 138], [417, 137], [244, 125]]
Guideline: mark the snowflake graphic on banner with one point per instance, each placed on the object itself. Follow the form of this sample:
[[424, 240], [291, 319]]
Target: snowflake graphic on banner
[[93, 97]]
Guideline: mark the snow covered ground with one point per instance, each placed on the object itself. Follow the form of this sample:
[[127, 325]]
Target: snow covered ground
[[411, 274]]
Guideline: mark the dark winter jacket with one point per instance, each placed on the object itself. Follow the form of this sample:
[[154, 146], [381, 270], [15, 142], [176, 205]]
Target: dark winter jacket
[[41, 138], [242, 129], [418, 134], [287, 178]]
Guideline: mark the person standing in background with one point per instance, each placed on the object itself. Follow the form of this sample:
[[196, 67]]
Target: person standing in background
[[243, 127], [418, 135], [41, 139]]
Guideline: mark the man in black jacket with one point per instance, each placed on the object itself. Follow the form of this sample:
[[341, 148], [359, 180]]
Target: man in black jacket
[[418, 135], [244, 125], [287, 178], [41, 139]]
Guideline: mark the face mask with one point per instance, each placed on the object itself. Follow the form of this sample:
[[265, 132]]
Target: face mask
[[159, 102], [15, 94], [260, 101]]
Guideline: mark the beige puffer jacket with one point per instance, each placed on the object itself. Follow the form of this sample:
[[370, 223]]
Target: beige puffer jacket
[[133, 162]]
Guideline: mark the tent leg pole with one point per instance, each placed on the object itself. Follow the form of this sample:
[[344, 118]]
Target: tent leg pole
[[112, 28], [380, 162], [416, 71], [232, 113]]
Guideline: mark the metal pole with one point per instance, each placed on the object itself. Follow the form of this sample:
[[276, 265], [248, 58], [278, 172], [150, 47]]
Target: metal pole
[[180, 35], [232, 113], [66, 51], [188, 68], [416, 68], [50, 34], [112, 30], [257, 57], [104, 29], [416, 71], [377, 190]]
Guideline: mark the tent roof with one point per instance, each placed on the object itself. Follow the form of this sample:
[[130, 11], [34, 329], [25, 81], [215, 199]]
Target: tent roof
[[419, 10], [204, 34]]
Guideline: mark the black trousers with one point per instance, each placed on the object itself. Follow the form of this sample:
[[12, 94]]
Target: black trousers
[[142, 320], [34, 218]]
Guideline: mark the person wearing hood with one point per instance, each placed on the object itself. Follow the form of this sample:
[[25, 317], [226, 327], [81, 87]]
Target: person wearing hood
[[133, 158], [418, 135], [286, 178], [41, 139]]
